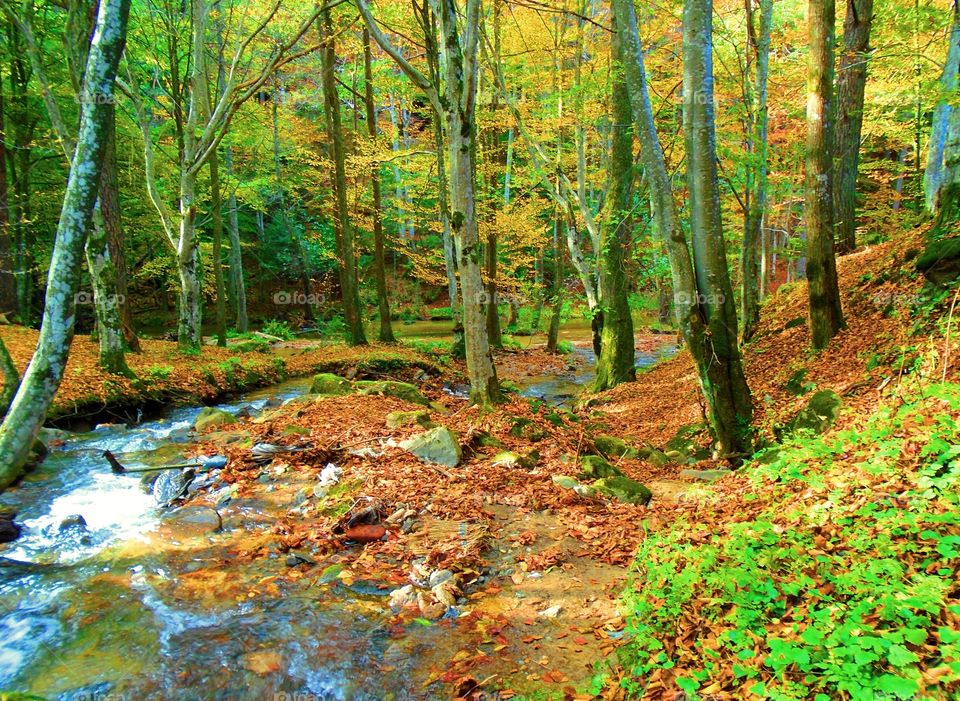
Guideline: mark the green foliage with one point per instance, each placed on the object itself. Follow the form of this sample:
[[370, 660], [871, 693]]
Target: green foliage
[[279, 328], [564, 347], [845, 592], [158, 372]]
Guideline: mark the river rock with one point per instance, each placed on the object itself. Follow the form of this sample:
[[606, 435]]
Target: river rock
[[193, 520], [211, 416], [623, 488], [171, 485], [402, 598], [74, 521], [9, 531], [439, 445], [595, 467], [329, 385], [391, 388], [398, 419], [365, 533]]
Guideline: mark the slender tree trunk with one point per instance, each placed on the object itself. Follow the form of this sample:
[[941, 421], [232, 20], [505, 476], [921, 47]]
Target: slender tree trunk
[[216, 215], [379, 266], [348, 261], [20, 160], [493, 307], [728, 407], [616, 363], [11, 378], [751, 290], [8, 286], [236, 285], [189, 314], [851, 83], [942, 176], [29, 407], [826, 316], [292, 234]]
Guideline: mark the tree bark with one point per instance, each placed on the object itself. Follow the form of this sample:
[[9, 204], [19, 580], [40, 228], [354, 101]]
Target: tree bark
[[42, 378], [349, 288], [942, 176], [826, 316], [616, 362], [236, 286], [756, 190], [851, 84], [728, 402], [216, 215], [379, 265]]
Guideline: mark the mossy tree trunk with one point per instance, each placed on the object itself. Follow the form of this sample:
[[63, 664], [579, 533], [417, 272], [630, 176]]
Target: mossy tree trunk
[[851, 83], [42, 378], [379, 265], [728, 409], [616, 362], [942, 177], [826, 316], [343, 224], [236, 287]]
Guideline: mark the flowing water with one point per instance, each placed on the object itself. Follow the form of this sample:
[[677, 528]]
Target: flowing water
[[135, 605]]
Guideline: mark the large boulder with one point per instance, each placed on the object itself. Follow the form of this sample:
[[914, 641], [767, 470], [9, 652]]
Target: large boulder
[[439, 445], [623, 488], [329, 385], [211, 416], [595, 467], [391, 388], [818, 415]]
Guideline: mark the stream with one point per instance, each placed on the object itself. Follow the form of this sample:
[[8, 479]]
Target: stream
[[133, 606]]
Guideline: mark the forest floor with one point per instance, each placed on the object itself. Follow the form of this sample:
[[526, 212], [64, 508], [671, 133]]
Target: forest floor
[[528, 573]]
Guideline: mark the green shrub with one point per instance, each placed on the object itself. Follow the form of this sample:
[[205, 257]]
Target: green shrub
[[159, 372], [279, 328]]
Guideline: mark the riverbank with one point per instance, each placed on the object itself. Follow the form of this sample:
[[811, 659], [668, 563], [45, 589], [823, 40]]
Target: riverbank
[[166, 376]]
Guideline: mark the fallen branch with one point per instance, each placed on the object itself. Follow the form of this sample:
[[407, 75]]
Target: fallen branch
[[119, 469]]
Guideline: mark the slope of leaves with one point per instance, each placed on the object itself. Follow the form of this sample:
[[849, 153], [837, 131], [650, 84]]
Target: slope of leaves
[[828, 569]]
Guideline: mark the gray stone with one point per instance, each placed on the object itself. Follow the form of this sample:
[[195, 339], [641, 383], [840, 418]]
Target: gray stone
[[439, 445]]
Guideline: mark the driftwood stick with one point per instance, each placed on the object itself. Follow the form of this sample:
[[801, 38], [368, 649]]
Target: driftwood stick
[[121, 470]]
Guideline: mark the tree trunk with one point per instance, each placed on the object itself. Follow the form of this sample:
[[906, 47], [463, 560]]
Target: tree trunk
[[616, 362], [851, 83], [8, 287], [379, 266], [236, 287], [942, 177], [11, 378], [826, 316], [556, 306], [732, 406], [29, 407], [348, 261], [756, 191], [107, 297], [728, 407], [298, 249], [216, 215]]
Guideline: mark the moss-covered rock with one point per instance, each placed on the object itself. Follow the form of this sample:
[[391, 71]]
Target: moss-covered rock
[[392, 388], [526, 428], [624, 489], [818, 415], [211, 416], [614, 448], [940, 261], [398, 419], [439, 445], [326, 383], [595, 467], [508, 458]]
